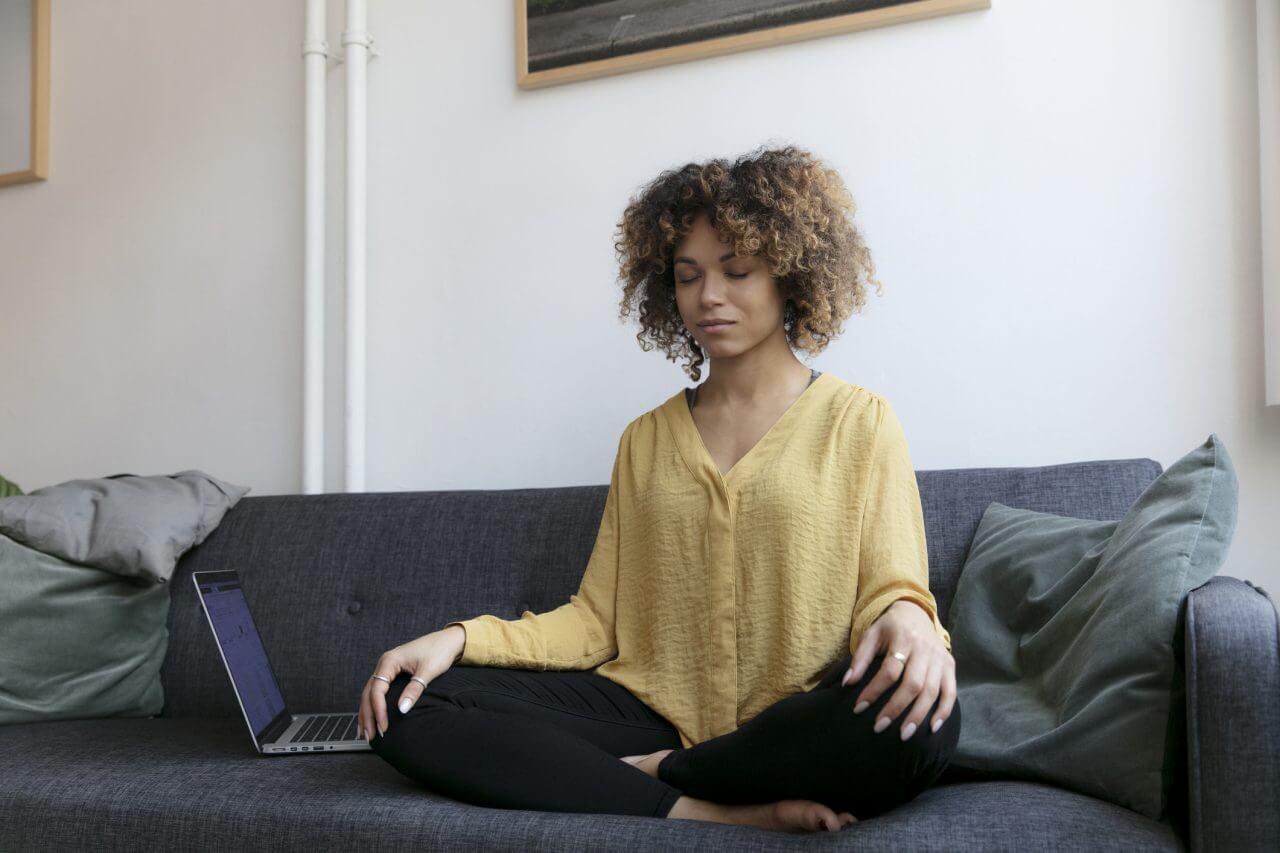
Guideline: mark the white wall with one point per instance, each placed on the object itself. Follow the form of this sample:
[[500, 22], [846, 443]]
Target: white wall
[[1062, 201]]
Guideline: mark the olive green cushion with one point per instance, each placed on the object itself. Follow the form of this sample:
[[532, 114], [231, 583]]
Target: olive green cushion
[[8, 488], [77, 642], [1063, 633]]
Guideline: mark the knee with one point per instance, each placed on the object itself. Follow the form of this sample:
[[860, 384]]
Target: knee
[[928, 752], [394, 689], [391, 699], [435, 694], [425, 702], [924, 747], [893, 771]]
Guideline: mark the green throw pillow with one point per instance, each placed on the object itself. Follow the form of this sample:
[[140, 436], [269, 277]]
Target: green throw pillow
[[1063, 634], [77, 642], [8, 488]]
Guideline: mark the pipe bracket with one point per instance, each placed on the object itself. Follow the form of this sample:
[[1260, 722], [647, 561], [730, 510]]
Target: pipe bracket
[[321, 47], [360, 37]]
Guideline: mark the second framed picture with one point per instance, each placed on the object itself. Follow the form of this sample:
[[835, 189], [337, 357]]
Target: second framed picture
[[563, 41], [24, 91]]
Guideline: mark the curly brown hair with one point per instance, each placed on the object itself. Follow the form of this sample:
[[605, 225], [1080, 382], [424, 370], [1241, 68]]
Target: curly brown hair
[[782, 203]]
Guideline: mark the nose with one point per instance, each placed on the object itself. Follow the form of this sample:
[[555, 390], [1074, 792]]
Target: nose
[[713, 288]]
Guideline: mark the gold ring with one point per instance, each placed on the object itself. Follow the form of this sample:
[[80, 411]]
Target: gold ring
[[899, 655]]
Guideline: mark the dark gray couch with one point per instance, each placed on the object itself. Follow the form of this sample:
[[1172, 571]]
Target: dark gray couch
[[337, 579]]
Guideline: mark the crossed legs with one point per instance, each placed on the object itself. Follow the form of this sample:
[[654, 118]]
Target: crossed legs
[[553, 741]]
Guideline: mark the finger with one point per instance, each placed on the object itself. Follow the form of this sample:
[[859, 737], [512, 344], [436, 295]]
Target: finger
[[362, 725], [366, 710], [890, 671], [868, 648], [911, 680], [947, 694], [412, 691], [928, 693], [378, 691], [367, 719], [377, 706]]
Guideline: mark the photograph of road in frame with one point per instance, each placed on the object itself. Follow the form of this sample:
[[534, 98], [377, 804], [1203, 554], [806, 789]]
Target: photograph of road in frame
[[563, 41]]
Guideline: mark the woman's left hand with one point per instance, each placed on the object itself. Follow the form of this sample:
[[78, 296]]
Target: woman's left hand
[[930, 670]]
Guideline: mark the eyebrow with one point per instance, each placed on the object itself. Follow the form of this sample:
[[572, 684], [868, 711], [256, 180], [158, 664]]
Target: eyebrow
[[684, 260]]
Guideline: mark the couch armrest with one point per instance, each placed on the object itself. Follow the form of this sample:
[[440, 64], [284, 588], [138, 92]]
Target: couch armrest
[[1232, 662]]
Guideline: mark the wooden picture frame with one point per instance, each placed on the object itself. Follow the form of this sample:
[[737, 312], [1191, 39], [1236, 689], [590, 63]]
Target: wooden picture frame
[[26, 97], [572, 49]]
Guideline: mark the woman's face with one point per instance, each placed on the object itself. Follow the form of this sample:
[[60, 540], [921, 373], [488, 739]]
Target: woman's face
[[714, 284]]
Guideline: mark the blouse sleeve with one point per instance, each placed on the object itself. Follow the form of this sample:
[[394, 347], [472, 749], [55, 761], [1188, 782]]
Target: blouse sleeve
[[574, 636], [893, 558]]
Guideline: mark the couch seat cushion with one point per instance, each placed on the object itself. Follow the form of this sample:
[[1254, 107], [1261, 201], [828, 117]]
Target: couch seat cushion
[[196, 784]]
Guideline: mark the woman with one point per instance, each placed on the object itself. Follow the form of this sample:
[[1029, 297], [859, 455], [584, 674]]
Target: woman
[[755, 612]]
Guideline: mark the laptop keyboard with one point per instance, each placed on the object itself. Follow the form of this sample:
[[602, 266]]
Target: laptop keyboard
[[327, 727]]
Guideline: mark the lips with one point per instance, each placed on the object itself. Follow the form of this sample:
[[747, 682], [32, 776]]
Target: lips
[[712, 325]]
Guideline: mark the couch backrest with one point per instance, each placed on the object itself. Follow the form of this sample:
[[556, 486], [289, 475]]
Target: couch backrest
[[334, 580]]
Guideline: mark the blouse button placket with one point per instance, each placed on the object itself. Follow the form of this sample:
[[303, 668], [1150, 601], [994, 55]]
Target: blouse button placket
[[724, 621]]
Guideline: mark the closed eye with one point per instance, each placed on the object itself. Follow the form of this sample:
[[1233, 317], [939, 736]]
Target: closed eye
[[695, 278]]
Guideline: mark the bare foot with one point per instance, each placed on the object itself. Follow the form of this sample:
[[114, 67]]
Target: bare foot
[[782, 816], [803, 816], [648, 763]]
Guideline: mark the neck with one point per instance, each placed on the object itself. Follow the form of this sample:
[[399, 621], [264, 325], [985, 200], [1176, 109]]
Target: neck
[[735, 384]]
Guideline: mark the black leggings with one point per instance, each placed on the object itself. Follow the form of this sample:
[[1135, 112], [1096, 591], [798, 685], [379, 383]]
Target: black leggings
[[552, 740]]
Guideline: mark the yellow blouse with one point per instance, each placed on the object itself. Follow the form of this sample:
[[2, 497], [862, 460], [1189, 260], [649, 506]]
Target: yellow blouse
[[711, 597]]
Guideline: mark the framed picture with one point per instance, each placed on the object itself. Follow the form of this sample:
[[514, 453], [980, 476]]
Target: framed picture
[[24, 91], [562, 41]]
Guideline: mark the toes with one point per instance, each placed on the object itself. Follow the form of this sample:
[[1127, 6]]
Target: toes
[[824, 819], [828, 821]]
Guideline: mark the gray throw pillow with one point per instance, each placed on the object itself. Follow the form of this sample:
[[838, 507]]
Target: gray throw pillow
[[1063, 634], [77, 642], [126, 524]]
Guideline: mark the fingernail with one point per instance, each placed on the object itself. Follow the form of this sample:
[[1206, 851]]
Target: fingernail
[[937, 723], [359, 732], [861, 706], [908, 731], [404, 705], [882, 724], [382, 731], [848, 676]]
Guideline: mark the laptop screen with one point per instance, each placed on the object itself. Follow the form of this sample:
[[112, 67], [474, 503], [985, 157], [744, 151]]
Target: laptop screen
[[242, 648]]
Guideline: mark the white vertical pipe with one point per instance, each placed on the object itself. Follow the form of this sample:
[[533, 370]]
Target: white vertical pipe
[[1268, 19], [355, 40], [315, 53]]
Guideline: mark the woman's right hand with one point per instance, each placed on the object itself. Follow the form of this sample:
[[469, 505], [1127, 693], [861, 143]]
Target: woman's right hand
[[426, 657]]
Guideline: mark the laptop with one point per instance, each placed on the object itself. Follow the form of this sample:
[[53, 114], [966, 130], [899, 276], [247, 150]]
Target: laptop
[[275, 730]]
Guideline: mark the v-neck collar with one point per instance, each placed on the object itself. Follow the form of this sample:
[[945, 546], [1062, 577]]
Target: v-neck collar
[[694, 450]]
